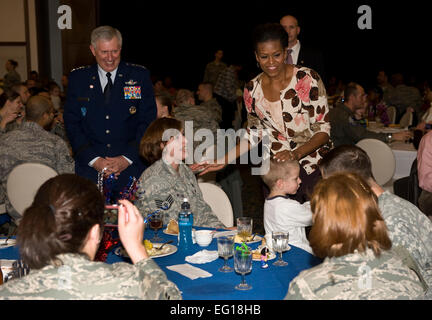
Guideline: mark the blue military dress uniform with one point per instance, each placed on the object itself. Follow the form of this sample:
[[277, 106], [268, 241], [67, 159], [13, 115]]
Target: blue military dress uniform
[[99, 129]]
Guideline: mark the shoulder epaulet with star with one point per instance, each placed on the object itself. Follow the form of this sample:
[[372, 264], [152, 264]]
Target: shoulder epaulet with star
[[135, 65], [79, 68]]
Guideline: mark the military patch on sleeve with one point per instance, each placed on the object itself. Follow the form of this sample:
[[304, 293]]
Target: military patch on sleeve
[[165, 204]]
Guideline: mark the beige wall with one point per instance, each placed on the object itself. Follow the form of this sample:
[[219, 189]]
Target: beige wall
[[13, 42], [12, 21]]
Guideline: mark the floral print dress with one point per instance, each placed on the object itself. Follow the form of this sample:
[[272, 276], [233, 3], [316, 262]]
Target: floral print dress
[[303, 110]]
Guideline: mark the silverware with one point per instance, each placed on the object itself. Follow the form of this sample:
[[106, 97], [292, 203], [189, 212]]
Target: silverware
[[5, 243], [160, 248]]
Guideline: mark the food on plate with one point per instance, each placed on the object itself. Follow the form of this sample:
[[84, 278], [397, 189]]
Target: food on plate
[[148, 245], [238, 239], [173, 227], [256, 254]]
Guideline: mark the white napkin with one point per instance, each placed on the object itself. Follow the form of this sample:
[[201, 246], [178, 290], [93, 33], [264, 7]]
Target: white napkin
[[202, 256], [190, 271]]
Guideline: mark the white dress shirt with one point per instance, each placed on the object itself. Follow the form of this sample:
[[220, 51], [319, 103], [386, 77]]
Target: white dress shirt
[[287, 215], [295, 52]]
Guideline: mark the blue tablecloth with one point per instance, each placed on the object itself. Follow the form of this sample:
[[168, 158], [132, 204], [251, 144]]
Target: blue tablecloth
[[267, 284]]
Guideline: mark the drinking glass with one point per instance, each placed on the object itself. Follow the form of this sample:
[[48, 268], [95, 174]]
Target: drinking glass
[[280, 244], [244, 227], [225, 250], [156, 223], [243, 265]]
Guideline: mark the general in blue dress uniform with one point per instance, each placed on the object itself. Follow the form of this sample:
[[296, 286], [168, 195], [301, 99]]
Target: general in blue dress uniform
[[108, 108]]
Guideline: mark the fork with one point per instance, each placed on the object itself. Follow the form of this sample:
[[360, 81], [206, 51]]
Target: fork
[[160, 248]]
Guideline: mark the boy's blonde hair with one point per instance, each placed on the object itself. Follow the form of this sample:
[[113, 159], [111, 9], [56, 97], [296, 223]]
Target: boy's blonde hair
[[279, 170]]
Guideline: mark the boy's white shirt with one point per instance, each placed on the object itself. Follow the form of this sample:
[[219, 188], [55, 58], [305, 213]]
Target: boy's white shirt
[[287, 215]]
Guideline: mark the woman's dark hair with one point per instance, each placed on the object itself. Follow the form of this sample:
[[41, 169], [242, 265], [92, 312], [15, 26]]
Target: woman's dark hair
[[58, 221], [269, 32], [151, 145], [347, 158], [8, 95]]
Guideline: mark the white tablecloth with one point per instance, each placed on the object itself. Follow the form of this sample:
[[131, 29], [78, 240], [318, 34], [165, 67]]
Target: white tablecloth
[[405, 154]]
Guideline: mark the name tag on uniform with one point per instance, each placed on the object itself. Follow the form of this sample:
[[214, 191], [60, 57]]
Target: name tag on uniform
[[132, 92]]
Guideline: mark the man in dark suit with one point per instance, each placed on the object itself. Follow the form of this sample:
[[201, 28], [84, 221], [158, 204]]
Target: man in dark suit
[[299, 54], [109, 106]]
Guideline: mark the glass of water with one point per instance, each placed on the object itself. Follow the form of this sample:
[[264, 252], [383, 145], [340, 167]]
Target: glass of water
[[225, 250], [280, 244], [243, 265]]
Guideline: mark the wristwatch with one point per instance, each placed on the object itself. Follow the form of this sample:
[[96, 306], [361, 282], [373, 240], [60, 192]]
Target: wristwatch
[[389, 137]]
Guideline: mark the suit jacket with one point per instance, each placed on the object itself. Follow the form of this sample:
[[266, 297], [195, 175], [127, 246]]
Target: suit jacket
[[96, 129], [312, 59]]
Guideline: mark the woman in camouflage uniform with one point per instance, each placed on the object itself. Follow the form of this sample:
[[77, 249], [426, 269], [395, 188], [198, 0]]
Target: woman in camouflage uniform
[[350, 233], [58, 238], [169, 180]]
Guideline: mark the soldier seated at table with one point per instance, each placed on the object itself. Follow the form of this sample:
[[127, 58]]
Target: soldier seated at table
[[58, 238], [349, 232], [406, 224], [168, 180]]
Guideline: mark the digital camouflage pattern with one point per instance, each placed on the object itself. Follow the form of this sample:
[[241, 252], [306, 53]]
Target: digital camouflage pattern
[[31, 143], [358, 277], [81, 279], [410, 228], [160, 186], [214, 107]]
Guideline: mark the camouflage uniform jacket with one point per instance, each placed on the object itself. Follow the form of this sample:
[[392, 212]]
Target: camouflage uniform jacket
[[358, 276], [410, 228], [81, 279], [214, 107], [161, 186], [345, 131], [31, 143], [212, 71]]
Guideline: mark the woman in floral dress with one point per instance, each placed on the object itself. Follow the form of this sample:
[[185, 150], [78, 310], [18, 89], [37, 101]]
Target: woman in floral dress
[[288, 104]]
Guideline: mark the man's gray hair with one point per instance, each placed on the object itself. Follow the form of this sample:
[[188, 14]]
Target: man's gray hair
[[105, 33]]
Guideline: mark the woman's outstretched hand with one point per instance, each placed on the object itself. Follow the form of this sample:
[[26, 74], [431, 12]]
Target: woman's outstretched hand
[[205, 167]]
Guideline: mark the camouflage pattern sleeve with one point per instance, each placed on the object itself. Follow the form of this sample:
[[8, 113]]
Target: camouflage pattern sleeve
[[155, 285], [359, 276], [410, 228], [78, 278], [65, 162]]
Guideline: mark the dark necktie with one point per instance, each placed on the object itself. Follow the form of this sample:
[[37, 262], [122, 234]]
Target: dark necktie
[[289, 59], [108, 87]]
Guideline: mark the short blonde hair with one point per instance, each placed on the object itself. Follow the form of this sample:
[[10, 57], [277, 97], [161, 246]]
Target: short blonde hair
[[278, 170], [105, 33]]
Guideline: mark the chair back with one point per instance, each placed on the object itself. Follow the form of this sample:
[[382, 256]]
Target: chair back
[[23, 182], [406, 120], [391, 112], [382, 159], [219, 202]]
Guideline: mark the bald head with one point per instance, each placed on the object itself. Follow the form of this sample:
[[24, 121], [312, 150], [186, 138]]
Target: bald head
[[36, 107], [290, 24]]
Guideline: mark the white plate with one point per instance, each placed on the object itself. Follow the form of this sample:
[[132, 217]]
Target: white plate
[[167, 250], [233, 233], [10, 243]]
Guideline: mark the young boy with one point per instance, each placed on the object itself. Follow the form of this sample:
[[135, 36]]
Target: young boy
[[282, 213]]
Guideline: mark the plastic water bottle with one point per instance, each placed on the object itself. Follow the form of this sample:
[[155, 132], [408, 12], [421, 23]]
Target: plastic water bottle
[[185, 222]]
